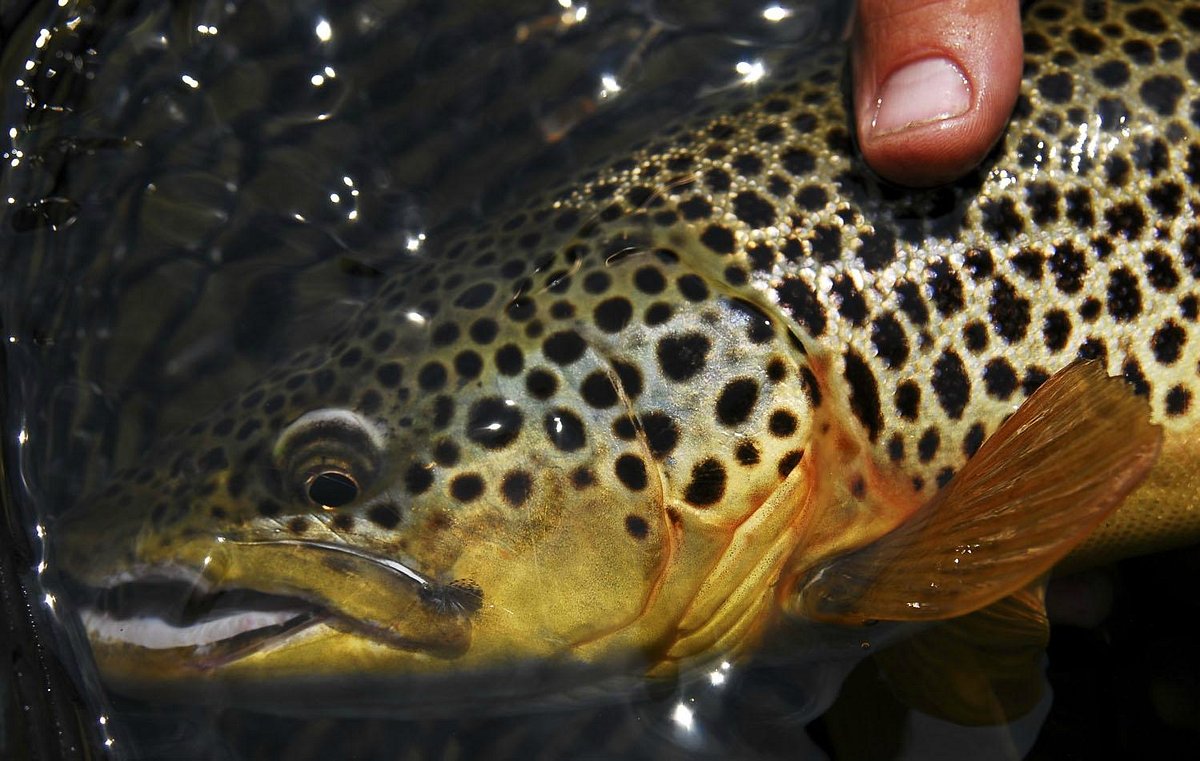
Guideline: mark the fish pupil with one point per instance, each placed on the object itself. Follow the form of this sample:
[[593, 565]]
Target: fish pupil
[[332, 489]]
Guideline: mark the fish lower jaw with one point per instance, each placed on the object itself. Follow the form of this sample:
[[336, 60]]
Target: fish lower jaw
[[175, 612], [156, 634], [171, 616]]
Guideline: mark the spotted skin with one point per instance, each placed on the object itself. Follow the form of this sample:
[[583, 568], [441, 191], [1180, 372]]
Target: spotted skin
[[593, 412]]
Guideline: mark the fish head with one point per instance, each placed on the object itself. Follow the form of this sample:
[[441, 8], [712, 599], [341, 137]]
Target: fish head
[[499, 475]]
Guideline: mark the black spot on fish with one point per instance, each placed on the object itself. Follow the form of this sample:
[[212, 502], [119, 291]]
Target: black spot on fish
[[323, 381], [736, 401], [1002, 220], [466, 487], [389, 374], [999, 378], [1178, 401], [946, 289], [1056, 88], [950, 384], [509, 359], [649, 280], [753, 210], [1167, 342], [788, 462], [851, 303], [1033, 380], [1009, 312], [747, 453], [598, 391], [468, 364], [799, 298], [582, 477], [631, 471], [944, 476], [612, 315], [630, 377], [692, 287], [1056, 329], [386, 516], [927, 445], [718, 238], [516, 487], [696, 208], [1126, 219], [980, 263], [483, 331], [973, 439], [445, 453], [1124, 296], [624, 428], [564, 429], [493, 424], [1162, 93], [636, 526], [799, 162], [351, 358], [975, 336], [912, 303], [1112, 74], [864, 394], [661, 434], [597, 282], [657, 313], [878, 249], [432, 376], [782, 423], [682, 356], [564, 347], [707, 485], [776, 370]]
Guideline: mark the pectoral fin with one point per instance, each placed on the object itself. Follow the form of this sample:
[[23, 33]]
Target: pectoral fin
[[1036, 488], [983, 668]]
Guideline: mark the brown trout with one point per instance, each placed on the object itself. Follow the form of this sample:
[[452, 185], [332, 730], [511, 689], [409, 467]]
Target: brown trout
[[726, 380]]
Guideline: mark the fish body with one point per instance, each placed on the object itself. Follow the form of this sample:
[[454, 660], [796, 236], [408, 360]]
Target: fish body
[[726, 379]]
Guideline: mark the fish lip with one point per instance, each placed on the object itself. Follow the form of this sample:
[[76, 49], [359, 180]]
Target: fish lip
[[223, 624], [177, 607]]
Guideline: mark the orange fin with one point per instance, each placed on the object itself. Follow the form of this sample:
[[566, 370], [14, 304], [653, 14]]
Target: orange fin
[[1036, 488], [984, 668]]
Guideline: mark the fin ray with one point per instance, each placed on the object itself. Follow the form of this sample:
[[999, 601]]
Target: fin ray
[[1036, 488]]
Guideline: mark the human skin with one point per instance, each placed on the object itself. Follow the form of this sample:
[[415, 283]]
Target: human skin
[[934, 84]]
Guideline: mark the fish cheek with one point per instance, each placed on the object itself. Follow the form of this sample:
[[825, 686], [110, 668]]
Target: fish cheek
[[575, 568]]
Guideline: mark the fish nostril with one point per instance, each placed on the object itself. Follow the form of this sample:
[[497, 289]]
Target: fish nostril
[[332, 489]]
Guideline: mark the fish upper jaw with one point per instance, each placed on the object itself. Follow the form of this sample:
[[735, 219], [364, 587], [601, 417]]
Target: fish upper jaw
[[223, 600]]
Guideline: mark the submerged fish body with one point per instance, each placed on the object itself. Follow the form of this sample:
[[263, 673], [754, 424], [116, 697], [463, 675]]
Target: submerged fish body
[[727, 378]]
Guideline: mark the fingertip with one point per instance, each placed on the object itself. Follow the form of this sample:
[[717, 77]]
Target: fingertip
[[934, 85]]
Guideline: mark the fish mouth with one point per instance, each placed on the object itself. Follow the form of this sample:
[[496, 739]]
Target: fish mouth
[[158, 612], [266, 597]]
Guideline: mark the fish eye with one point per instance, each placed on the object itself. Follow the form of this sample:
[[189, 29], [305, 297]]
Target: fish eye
[[329, 457], [332, 488]]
